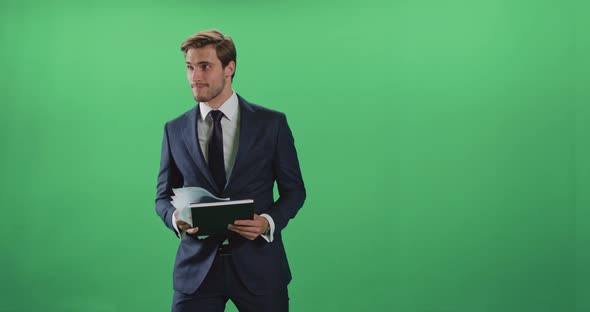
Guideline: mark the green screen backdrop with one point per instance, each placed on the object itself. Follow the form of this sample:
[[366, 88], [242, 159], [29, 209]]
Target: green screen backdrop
[[444, 147]]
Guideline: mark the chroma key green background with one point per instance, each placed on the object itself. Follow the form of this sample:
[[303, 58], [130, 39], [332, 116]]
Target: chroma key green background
[[444, 146]]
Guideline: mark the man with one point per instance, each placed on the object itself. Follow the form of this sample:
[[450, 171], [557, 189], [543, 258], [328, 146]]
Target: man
[[233, 149]]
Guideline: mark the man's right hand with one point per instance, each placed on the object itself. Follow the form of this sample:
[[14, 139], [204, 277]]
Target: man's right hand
[[183, 226]]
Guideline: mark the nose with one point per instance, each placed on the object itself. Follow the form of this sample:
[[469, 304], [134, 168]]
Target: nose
[[196, 75]]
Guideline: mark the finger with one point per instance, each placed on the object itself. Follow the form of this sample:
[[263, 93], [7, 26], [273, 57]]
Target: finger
[[192, 230], [246, 229], [247, 222], [185, 227], [252, 229], [250, 236]]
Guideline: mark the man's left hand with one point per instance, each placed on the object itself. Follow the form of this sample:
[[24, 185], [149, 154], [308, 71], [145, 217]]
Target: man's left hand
[[250, 229]]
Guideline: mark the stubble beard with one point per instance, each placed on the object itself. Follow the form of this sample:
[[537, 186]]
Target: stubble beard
[[213, 94]]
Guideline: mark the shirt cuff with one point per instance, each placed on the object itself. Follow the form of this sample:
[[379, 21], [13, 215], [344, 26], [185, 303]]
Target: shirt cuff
[[178, 233], [269, 235]]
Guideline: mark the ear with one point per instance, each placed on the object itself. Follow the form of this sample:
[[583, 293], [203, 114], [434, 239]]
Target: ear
[[230, 69]]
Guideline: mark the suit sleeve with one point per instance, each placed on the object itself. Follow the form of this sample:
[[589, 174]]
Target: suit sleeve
[[288, 176], [169, 177]]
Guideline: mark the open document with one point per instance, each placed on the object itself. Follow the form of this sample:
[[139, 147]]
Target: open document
[[184, 197]]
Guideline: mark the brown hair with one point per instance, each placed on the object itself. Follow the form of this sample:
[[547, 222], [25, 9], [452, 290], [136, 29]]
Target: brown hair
[[224, 46]]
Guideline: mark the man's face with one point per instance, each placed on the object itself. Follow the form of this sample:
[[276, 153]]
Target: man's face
[[205, 73]]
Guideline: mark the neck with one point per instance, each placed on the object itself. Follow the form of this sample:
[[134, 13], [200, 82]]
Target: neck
[[216, 102]]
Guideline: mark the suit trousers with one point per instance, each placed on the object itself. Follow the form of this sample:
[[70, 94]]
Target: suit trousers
[[221, 284]]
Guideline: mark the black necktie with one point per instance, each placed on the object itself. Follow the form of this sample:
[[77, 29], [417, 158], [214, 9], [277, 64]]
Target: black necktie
[[215, 153]]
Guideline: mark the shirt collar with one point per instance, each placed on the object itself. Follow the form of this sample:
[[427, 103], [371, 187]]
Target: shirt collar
[[229, 108]]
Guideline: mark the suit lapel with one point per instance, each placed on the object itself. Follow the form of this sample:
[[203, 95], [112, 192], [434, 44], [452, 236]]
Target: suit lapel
[[245, 139], [191, 140]]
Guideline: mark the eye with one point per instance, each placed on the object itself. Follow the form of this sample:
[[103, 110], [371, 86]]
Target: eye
[[189, 67], [205, 66]]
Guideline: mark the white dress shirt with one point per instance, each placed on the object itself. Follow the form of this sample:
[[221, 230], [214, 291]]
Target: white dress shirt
[[230, 125]]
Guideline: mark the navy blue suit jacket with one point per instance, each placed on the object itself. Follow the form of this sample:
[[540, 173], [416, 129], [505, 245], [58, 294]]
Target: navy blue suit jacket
[[266, 153]]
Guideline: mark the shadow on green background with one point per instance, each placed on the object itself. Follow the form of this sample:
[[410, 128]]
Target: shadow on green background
[[443, 145]]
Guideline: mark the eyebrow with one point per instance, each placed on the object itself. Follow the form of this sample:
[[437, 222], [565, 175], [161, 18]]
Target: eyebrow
[[199, 63]]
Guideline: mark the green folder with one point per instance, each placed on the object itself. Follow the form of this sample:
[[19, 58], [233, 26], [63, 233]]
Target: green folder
[[213, 218]]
